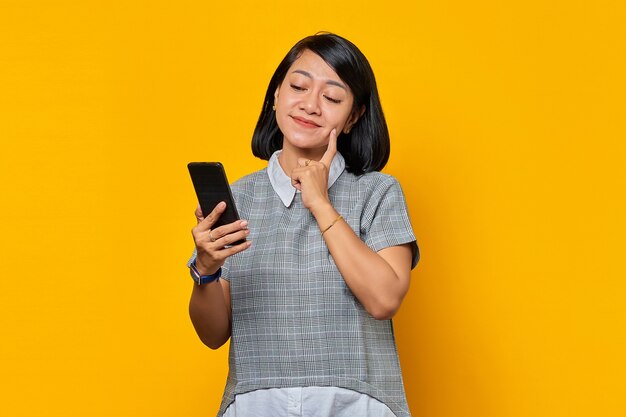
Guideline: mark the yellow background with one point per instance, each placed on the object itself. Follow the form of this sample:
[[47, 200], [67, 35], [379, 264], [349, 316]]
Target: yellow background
[[507, 123]]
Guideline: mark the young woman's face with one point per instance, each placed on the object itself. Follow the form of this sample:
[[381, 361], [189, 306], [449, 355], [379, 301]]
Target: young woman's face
[[311, 102]]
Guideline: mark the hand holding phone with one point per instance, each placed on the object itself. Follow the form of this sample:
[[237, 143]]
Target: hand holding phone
[[218, 234]]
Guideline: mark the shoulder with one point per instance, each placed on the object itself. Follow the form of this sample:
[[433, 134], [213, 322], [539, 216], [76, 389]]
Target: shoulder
[[251, 181], [378, 179], [248, 190], [371, 183]]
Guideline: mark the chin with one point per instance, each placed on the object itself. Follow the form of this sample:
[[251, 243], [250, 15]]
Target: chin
[[307, 143]]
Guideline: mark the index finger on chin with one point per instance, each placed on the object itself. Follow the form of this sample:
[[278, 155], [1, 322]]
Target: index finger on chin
[[327, 159]]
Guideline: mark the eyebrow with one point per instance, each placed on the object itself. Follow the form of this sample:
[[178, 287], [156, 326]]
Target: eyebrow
[[330, 82]]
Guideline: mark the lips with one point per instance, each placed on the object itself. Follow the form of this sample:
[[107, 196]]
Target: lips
[[304, 122]]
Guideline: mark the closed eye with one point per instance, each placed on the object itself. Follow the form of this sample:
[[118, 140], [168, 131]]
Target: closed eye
[[332, 100], [296, 87]]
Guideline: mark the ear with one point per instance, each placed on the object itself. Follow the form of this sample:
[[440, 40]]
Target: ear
[[276, 94], [354, 117]]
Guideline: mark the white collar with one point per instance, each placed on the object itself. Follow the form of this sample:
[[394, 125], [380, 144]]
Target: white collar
[[281, 182]]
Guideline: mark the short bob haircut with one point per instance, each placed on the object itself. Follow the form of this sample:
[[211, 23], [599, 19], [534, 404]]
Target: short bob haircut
[[366, 148]]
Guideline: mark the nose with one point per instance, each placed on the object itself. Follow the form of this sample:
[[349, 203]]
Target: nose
[[310, 104]]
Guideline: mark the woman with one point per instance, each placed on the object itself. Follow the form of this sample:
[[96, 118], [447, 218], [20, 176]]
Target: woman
[[307, 299]]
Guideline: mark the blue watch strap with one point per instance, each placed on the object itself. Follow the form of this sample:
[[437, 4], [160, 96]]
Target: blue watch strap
[[203, 279]]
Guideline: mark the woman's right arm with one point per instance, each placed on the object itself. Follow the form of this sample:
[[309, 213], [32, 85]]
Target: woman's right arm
[[209, 307]]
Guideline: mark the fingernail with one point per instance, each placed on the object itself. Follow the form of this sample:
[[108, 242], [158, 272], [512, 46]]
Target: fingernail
[[244, 223], [221, 204]]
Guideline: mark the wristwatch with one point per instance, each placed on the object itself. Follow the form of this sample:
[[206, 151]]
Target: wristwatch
[[203, 279]]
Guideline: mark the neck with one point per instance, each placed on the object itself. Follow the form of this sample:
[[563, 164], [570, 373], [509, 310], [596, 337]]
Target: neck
[[288, 157]]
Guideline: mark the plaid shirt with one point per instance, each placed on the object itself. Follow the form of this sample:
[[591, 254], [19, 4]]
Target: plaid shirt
[[295, 321]]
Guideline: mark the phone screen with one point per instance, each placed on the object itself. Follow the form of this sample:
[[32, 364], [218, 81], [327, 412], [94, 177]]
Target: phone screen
[[211, 185]]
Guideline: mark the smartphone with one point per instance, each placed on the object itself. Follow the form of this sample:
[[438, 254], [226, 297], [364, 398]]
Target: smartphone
[[211, 185]]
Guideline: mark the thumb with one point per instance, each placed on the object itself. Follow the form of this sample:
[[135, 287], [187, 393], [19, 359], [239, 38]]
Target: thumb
[[198, 213]]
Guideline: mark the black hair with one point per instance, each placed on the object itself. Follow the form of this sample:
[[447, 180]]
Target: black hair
[[366, 147]]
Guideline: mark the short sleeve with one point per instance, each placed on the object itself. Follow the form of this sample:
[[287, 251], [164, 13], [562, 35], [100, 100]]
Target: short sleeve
[[192, 259], [385, 219]]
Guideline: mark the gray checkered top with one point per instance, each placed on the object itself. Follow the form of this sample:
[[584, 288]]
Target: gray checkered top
[[295, 321]]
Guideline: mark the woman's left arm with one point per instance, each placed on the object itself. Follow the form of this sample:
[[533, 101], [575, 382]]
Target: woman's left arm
[[379, 280]]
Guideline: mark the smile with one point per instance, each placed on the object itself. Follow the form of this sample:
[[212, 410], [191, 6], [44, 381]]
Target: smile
[[304, 122]]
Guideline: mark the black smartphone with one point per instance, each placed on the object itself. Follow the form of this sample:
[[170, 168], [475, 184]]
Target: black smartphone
[[211, 185]]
